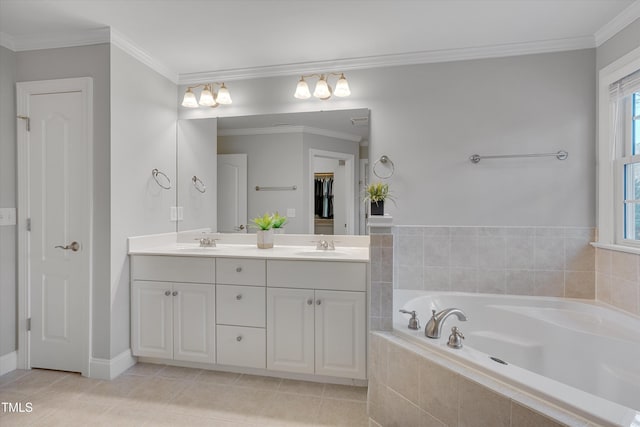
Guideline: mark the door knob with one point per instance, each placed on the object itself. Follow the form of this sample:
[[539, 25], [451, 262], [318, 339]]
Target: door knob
[[74, 246]]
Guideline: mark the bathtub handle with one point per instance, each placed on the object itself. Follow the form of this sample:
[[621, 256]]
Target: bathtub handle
[[414, 323]]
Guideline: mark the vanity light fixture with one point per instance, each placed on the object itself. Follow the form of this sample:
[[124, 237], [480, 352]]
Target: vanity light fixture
[[208, 98], [322, 90]]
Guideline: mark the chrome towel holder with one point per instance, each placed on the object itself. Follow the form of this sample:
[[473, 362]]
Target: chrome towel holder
[[560, 155], [155, 173], [198, 184], [384, 159]]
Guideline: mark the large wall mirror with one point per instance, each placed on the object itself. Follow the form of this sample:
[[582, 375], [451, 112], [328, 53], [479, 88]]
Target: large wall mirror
[[311, 167]]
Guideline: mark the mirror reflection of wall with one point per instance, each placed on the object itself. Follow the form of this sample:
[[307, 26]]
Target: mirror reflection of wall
[[281, 151]]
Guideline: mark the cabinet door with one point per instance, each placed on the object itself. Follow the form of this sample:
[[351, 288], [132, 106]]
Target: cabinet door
[[194, 322], [340, 334], [151, 319], [290, 330]]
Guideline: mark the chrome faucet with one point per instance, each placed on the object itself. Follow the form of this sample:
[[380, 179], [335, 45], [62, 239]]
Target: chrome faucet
[[434, 326], [325, 245], [206, 241]]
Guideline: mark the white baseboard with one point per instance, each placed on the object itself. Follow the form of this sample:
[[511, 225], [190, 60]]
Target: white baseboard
[[8, 362], [108, 369]]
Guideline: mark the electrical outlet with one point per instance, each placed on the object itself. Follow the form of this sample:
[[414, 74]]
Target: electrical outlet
[[173, 214], [7, 216], [180, 213]]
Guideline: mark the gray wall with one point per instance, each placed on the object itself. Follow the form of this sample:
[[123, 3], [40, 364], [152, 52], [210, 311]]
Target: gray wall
[[430, 118], [143, 137], [619, 45], [7, 200]]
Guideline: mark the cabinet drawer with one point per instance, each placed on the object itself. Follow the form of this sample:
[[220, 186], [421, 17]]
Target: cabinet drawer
[[341, 276], [241, 346], [240, 271], [173, 268], [240, 305]]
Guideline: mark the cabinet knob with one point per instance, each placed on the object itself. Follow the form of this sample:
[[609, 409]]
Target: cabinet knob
[[310, 301], [167, 293], [175, 293], [239, 297], [238, 269], [239, 338], [318, 302]]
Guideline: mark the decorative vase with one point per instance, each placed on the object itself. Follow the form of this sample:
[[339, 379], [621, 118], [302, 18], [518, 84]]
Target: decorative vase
[[377, 208], [265, 239]]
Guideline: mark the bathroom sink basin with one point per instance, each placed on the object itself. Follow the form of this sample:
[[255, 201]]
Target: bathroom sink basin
[[195, 248]]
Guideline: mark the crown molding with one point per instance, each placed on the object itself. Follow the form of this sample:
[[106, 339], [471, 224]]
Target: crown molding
[[60, 39], [426, 57], [617, 24], [130, 48], [290, 129], [6, 40]]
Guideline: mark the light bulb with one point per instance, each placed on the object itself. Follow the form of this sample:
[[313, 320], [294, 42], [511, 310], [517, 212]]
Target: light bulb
[[342, 87], [206, 97], [189, 99], [224, 97], [302, 90], [322, 90]]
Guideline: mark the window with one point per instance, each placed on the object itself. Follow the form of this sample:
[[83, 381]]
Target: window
[[625, 97]]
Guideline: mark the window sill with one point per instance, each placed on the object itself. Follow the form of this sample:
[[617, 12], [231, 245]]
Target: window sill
[[617, 248]]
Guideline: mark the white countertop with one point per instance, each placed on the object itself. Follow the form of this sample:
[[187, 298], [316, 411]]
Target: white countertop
[[169, 245]]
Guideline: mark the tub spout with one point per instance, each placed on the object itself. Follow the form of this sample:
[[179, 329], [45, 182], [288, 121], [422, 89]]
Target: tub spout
[[434, 326]]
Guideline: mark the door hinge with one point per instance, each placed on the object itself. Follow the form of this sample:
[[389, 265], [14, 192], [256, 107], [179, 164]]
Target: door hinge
[[29, 324], [28, 121], [28, 224]]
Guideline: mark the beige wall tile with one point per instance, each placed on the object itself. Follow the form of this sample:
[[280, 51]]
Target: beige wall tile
[[603, 287], [549, 283], [579, 255], [580, 284], [603, 261], [403, 371], [624, 265], [624, 294], [439, 392], [525, 417], [480, 407], [402, 413]]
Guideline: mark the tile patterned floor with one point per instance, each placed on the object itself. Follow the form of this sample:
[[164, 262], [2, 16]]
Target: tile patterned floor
[[157, 395]]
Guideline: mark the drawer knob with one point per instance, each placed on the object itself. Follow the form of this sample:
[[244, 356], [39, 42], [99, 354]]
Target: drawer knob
[[318, 302], [175, 293], [239, 338], [167, 293], [238, 269], [239, 297], [309, 301]]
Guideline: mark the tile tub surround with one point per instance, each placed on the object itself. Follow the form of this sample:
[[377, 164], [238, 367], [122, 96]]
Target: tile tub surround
[[536, 261], [381, 295], [618, 279], [411, 386]]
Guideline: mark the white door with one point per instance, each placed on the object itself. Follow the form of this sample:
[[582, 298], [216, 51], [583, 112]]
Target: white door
[[54, 146], [232, 193], [194, 322], [340, 199], [290, 330], [340, 334], [152, 319]]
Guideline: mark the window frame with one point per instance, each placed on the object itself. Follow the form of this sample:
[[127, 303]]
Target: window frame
[[625, 157]]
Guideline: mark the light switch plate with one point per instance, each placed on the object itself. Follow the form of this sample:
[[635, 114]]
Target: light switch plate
[[180, 213], [7, 216], [291, 212], [173, 214]]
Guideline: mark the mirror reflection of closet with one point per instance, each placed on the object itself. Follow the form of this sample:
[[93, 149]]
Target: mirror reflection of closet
[[323, 202]]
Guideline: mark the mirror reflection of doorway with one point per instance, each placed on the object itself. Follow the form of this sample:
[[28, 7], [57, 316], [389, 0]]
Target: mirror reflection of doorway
[[333, 182], [323, 203]]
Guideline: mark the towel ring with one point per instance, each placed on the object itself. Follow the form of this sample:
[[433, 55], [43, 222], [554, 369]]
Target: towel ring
[[198, 184], [155, 173], [384, 160]]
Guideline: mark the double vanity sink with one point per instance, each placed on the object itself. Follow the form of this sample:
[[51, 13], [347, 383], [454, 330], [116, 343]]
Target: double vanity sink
[[289, 310]]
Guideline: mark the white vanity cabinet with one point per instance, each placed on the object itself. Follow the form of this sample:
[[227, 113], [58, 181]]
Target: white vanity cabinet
[[171, 319], [240, 312], [314, 326]]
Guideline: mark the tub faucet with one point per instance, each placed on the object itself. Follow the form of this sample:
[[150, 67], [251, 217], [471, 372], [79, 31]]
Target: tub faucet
[[434, 326]]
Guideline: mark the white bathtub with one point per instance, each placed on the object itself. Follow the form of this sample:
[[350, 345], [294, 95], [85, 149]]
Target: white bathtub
[[577, 355]]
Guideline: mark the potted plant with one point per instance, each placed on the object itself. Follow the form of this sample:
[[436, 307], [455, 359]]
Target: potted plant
[[264, 234], [377, 193], [279, 221]]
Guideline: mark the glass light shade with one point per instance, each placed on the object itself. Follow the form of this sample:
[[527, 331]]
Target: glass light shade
[[302, 90], [322, 90], [189, 99], [206, 97], [342, 87], [224, 97]]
